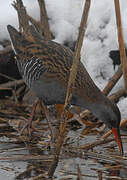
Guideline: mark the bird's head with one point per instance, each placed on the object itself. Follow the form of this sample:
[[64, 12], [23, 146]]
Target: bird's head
[[111, 116], [18, 40], [109, 113]]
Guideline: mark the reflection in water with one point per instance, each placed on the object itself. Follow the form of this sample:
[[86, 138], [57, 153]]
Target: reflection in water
[[21, 159]]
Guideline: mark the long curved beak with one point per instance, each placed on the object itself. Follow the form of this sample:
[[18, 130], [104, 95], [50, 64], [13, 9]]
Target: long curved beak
[[116, 132]]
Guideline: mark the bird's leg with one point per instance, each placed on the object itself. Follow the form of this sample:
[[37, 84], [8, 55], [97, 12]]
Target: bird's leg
[[48, 121], [28, 125]]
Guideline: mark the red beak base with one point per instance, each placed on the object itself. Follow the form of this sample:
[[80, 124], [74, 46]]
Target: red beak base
[[116, 133]]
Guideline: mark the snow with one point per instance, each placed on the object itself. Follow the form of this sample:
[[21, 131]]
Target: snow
[[64, 18], [122, 104]]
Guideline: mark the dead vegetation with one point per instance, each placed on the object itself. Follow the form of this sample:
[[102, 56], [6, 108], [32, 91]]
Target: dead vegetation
[[15, 108]]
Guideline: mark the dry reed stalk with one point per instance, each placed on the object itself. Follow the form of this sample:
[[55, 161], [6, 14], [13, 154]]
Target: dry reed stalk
[[79, 173], [73, 72], [44, 20], [22, 16], [112, 82], [96, 143], [11, 84], [121, 42], [117, 95]]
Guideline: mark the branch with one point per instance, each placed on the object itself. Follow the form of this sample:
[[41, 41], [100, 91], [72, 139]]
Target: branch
[[12, 84], [42, 27], [96, 143], [117, 95], [112, 82], [36, 24], [73, 72], [44, 20], [121, 42], [22, 16]]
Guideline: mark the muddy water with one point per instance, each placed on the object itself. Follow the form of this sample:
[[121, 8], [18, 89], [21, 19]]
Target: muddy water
[[25, 160]]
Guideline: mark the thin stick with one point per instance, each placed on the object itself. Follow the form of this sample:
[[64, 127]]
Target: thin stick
[[112, 82], [44, 20], [7, 77], [12, 84], [117, 95], [79, 174], [3, 89], [22, 16], [123, 123], [96, 143], [73, 72], [121, 42], [100, 175], [35, 23], [48, 121]]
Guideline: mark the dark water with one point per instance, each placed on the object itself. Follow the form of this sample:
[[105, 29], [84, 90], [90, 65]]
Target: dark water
[[23, 160]]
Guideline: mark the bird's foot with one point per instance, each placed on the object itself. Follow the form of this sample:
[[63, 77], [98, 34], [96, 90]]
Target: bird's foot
[[27, 126], [28, 122]]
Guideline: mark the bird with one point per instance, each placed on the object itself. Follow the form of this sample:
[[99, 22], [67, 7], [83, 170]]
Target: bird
[[45, 67]]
